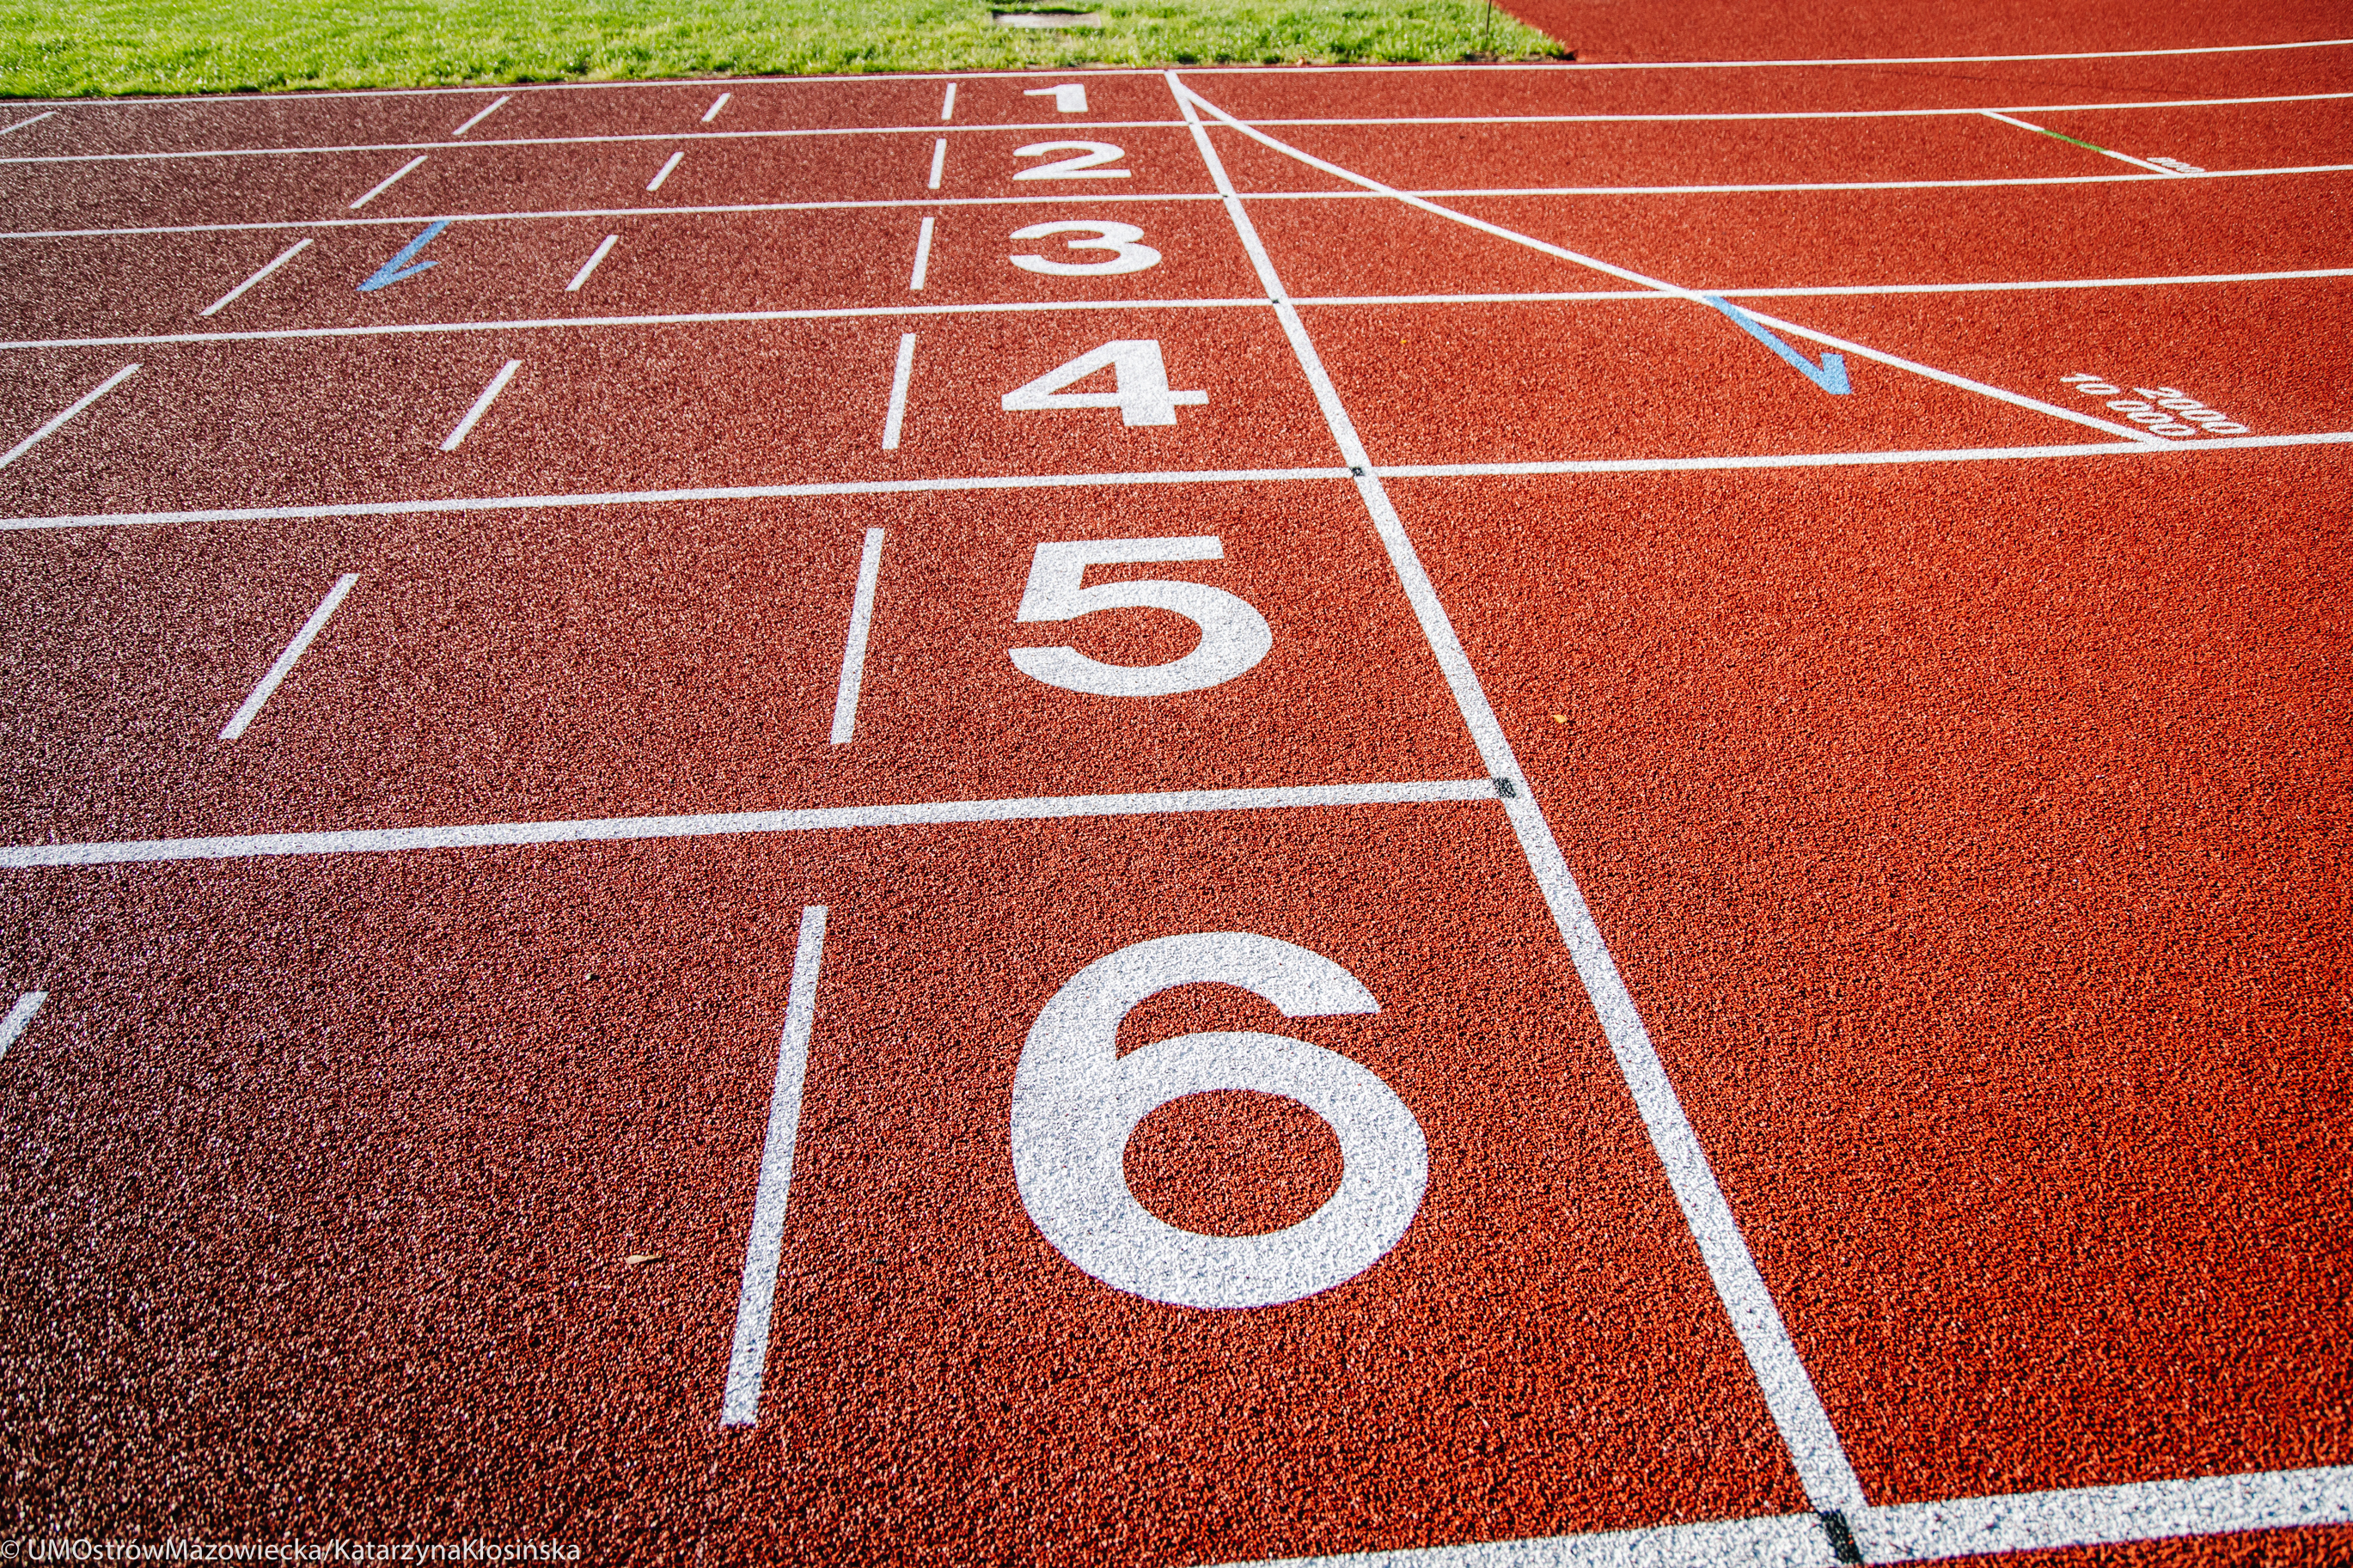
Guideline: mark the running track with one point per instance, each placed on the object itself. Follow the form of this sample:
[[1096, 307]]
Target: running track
[[711, 787]]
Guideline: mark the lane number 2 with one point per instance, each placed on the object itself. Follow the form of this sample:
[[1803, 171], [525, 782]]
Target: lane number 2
[[1234, 635], [1120, 238], [1140, 379], [1087, 165], [1076, 1102]]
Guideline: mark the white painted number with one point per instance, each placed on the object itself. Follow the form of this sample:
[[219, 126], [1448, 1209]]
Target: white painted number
[[1234, 635], [1071, 98], [2166, 410], [1139, 375], [1076, 1102], [1118, 238], [1087, 165]]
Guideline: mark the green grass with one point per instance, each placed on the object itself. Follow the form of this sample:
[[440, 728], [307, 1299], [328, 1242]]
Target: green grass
[[51, 48]]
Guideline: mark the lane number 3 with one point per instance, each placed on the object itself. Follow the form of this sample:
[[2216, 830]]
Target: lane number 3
[[1120, 238], [1234, 635], [1076, 1102]]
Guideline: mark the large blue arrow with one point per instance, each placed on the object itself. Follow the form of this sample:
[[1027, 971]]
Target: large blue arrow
[[1830, 375], [394, 270]]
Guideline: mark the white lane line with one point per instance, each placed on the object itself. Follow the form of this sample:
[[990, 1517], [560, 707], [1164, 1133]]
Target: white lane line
[[247, 710], [656, 182], [1984, 389], [922, 256], [2088, 147], [901, 374], [496, 104], [481, 405], [822, 819], [595, 258], [22, 124], [732, 208], [1914, 1533], [848, 312], [717, 104], [853, 651], [1797, 1409], [466, 504], [79, 404], [21, 1015], [947, 102], [747, 1366], [939, 161], [288, 254], [1370, 122], [390, 180]]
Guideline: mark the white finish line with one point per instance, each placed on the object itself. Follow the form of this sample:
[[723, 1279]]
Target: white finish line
[[817, 819], [1915, 1532]]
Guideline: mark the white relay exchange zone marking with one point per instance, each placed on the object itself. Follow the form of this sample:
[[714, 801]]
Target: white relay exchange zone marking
[[2166, 410], [1076, 1102], [1120, 238], [1234, 635]]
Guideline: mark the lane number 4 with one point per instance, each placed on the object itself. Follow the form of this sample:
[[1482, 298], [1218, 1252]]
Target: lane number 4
[[1140, 382], [1234, 635]]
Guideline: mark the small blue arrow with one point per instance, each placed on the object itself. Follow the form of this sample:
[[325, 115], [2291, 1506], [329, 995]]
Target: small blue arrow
[[394, 270], [1830, 375]]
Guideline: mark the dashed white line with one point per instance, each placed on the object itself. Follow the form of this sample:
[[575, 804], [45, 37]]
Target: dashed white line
[[20, 1017], [818, 819], [595, 258], [939, 162], [79, 404], [853, 650], [656, 182], [481, 405], [288, 254], [902, 373], [496, 104], [947, 102], [717, 104], [35, 120], [287, 658], [390, 180], [922, 256], [747, 1364]]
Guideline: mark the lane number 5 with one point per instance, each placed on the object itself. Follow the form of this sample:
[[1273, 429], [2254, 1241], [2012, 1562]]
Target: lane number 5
[[1076, 1102], [1234, 635]]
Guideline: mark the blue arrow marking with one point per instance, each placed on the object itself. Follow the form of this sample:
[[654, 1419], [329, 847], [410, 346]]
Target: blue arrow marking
[[1830, 375], [394, 270]]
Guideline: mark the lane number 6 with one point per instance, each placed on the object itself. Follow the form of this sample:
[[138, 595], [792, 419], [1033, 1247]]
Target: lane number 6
[[1234, 635], [1076, 1102]]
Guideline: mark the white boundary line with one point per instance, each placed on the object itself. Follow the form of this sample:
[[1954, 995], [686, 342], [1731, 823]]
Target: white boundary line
[[815, 819], [1996, 114], [755, 1299], [1011, 307], [464, 504], [1914, 1533], [853, 648], [1558, 67], [1372, 121], [1896, 362], [1805, 1427], [58, 422], [20, 1018], [292, 652]]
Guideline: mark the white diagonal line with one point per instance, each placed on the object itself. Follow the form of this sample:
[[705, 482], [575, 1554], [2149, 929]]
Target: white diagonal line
[[293, 651], [2133, 433], [79, 404], [288, 254]]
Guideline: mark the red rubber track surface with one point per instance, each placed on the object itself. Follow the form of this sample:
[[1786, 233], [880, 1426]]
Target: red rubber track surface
[[1957, 781]]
